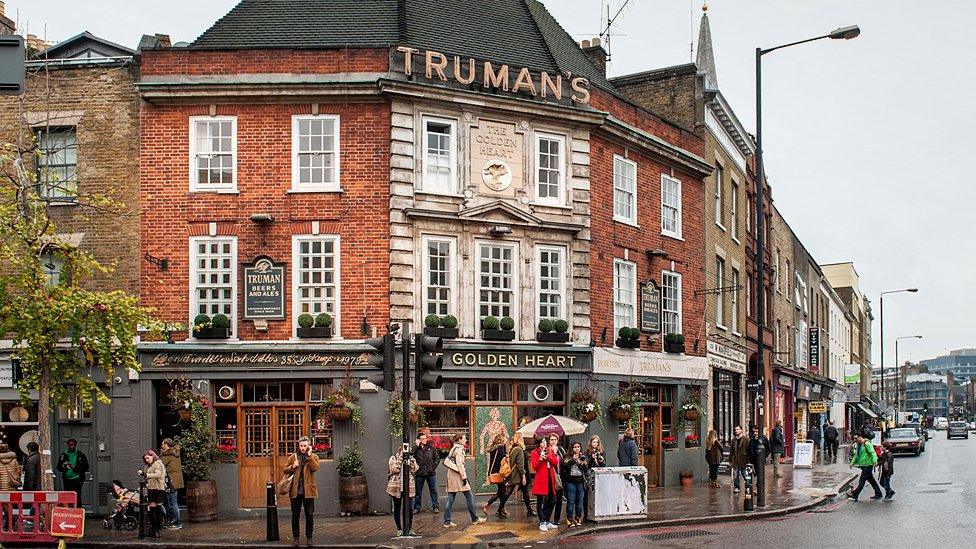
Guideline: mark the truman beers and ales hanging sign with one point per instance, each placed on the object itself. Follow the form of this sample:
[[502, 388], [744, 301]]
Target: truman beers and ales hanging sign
[[650, 308], [264, 289]]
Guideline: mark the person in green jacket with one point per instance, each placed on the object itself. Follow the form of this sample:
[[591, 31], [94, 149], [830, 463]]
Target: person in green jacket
[[865, 458]]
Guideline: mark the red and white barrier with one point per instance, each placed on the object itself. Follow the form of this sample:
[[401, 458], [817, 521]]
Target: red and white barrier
[[26, 516]]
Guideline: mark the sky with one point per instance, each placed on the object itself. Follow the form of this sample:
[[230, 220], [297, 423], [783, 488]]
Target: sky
[[864, 139]]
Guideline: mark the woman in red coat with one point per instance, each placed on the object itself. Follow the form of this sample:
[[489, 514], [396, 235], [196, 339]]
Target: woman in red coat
[[545, 462]]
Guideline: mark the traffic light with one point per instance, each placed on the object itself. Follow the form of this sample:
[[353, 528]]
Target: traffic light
[[385, 361], [427, 367]]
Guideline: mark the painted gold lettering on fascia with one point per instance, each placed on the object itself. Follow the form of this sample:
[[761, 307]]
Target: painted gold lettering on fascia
[[457, 359]]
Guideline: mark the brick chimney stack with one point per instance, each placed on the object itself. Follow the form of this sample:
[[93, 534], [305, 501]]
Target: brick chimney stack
[[7, 25], [597, 55]]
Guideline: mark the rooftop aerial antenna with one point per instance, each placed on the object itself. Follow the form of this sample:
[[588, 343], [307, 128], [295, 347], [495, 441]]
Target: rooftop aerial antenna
[[605, 34]]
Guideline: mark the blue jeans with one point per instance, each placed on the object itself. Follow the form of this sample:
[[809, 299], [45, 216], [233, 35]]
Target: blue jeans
[[173, 507], [886, 484], [574, 500], [744, 471], [431, 481], [468, 496]]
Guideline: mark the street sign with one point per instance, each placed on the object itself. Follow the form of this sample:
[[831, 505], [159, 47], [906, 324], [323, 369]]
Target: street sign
[[753, 383], [12, 55], [67, 522]]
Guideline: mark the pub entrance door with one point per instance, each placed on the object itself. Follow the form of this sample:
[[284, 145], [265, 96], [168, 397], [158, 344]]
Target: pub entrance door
[[270, 435], [649, 439]]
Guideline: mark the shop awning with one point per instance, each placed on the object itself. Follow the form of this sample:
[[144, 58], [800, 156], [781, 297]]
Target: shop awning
[[865, 409]]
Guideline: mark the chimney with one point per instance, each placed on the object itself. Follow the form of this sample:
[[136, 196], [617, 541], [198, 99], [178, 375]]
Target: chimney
[[596, 54], [7, 25], [164, 41]]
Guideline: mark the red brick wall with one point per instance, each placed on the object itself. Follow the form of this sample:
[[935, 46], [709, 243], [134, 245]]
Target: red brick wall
[[610, 239], [647, 121], [183, 61], [360, 215]]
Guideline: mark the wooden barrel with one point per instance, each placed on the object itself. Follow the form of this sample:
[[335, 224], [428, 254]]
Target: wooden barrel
[[201, 500], [353, 495]]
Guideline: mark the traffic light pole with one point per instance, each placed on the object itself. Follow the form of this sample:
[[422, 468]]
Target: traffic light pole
[[406, 506]]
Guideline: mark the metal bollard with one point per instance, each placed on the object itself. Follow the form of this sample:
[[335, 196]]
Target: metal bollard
[[761, 483], [273, 534], [143, 515], [747, 504]]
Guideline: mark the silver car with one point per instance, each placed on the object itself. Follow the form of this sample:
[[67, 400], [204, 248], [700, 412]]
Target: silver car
[[957, 429]]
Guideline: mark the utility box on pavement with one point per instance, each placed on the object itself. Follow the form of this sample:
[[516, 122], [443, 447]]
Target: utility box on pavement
[[618, 493]]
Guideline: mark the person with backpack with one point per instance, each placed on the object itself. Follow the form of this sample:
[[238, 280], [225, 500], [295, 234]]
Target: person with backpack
[[518, 477], [886, 468], [865, 458], [575, 466], [831, 442], [497, 456]]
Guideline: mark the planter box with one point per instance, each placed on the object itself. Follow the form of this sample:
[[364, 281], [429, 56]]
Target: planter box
[[212, 333], [498, 335], [627, 343], [315, 331], [674, 347], [552, 337], [446, 333]]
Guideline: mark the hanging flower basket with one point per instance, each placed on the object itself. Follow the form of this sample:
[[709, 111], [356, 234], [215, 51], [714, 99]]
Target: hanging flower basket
[[340, 413], [692, 415], [185, 414], [622, 415]]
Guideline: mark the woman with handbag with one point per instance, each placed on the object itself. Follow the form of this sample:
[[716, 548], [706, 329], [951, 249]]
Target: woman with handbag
[[394, 488], [496, 458], [457, 481], [518, 477], [155, 474], [301, 466], [557, 505], [575, 466], [713, 457], [544, 486]]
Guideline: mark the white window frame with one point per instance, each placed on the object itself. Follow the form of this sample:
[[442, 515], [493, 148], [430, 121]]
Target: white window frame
[[195, 185], [678, 224], [677, 276], [295, 279], [720, 294], [632, 220], [452, 271], [560, 199], [734, 324], [719, 183], [563, 281], [296, 184], [777, 270], [734, 210], [425, 183], [632, 290], [516, 276], [194, 303]]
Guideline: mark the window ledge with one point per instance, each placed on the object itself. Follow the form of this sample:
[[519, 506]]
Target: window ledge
[[736, 239], [735, 333], [625, 222], [671, 235], [315, 191], [214, 191], [435, 193], [721, 327], [551, 205], [58, 203], [720, 226]]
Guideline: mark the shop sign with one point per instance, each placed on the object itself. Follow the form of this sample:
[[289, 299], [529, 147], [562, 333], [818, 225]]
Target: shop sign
[[726, 358], [804, 390], [647, 364], [6, 373], [264, 289], [817, 407], [785, 382], [496, 158], [852, 374], [815, 350], [489, 75], [651, 308], [462, 358], [247, 360]]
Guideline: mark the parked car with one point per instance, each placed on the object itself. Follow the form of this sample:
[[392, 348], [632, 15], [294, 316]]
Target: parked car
[[941, 423], [957, 429], [906, 440], [922, 429]]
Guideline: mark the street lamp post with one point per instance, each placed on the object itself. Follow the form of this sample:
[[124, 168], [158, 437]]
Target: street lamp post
[[898, 371], [843, 33], [881, 297]]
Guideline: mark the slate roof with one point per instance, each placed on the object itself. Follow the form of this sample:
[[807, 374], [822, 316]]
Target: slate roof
[[519, 32]]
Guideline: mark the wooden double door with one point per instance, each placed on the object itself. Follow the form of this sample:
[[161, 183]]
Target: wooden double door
[[269, 436]]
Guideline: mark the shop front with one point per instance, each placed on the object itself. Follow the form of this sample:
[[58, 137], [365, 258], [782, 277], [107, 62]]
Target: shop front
[[728, 368], [784, 406], [659, 383]]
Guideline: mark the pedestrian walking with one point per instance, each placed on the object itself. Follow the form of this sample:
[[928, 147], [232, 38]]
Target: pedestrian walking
[[886, 468], [713, 457], [813, 435], [32, 468], [627, 450], [557, 504], [427, 459], [302, 465], [739, 459], [518, 479], [831, 441], [457, 482], [865, 458], [9, 469], [496, 456], [546, 465], [759, 448], [174, 470], [777, 445], [155, 474], [73, 464], [575, 465], [394, 487]]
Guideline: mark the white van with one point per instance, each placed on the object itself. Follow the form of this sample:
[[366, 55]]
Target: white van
[[941, 423]]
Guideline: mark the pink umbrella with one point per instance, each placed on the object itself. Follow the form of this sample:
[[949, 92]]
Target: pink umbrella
[[550, 424]]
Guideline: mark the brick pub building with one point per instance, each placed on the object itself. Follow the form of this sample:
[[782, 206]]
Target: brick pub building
[[381, 165]]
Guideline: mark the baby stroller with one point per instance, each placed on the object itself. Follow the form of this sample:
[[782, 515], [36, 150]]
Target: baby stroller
[[126, 515]]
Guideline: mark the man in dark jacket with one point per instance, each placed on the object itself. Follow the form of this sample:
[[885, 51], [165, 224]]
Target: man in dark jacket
[[739, 459], [627, 450], [831, 441], [759, 448], [73, 464], [427, 459], [32, 468], [777, 446], [813, 435]]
